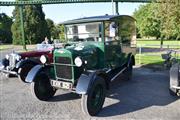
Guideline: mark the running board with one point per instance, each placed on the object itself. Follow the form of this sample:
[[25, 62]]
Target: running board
[[118, 74]]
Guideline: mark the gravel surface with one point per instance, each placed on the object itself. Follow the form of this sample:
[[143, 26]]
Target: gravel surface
[[145, 97]]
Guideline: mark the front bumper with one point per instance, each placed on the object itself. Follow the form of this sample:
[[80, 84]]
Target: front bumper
[[8, 72], [4, 70], [1, 66]]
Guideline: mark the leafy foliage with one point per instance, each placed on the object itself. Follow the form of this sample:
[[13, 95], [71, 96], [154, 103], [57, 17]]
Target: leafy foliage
[[147, 24], [169, 14], [34, 24], [5, 28], [54, 31], [61, 32], [159, 19]]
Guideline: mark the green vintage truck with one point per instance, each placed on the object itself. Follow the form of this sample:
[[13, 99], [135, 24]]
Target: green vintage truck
[[98, 50]]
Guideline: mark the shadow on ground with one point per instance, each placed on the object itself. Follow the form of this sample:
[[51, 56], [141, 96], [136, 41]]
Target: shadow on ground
[[65, 97], [147, 88], [156, 66]]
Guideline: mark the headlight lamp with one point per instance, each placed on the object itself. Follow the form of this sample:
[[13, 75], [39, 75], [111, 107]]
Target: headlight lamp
[[43, 59], [7, 57], [17, 57], [78, 62]]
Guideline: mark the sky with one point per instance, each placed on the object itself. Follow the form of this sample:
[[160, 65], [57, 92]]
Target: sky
[[62, 12]]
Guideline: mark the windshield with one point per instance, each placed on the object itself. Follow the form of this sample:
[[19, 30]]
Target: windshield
[[84, 32], [44, 47]]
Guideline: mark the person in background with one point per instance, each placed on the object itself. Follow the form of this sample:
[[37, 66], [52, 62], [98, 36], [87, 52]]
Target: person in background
[[46, 41]]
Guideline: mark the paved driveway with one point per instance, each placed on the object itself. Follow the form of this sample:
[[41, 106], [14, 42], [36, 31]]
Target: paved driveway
[[145, 97]]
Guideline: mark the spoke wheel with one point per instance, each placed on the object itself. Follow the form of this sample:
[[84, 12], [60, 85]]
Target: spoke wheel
[[93, 101], [41, 87]]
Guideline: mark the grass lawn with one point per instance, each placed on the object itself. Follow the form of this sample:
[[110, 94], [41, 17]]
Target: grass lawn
[[19, 47], [156, 43], [3, 47], [149, 59], [154, 59]]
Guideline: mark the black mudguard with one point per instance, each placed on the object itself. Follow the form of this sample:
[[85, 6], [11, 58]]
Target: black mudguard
[[131, 59], [5, 62], [33, 73], [25, 61], [86, 81]]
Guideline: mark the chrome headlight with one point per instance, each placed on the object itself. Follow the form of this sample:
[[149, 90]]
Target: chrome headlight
[[43, 59], [17, 57], [7, 57], [78, 62]]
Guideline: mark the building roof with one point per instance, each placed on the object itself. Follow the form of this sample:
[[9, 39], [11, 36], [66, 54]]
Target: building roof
[[94, 19]]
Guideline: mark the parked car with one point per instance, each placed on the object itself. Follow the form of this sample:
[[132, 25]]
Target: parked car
[[170, 58], [99, 49], [174, 84], [19, 64], [174, 87]]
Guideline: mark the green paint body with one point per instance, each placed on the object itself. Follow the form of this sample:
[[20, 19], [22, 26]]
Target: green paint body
[[96, 55]]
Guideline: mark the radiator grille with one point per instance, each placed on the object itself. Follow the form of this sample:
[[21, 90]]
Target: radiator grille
[[12, 61], [63, 71]]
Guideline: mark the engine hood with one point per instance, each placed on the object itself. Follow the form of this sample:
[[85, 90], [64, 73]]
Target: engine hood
[[83, 49], [33, 53], [87, 51]]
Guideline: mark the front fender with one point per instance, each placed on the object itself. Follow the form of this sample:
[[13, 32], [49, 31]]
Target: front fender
[[22, 62], [131, 59], [5, 62], [84, 82], [33, 73], [87, 79]]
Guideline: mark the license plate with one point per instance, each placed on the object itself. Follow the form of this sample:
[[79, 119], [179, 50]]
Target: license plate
[[61, 84]]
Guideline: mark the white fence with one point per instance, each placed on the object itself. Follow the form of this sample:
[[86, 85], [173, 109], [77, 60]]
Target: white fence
[[154, 51]]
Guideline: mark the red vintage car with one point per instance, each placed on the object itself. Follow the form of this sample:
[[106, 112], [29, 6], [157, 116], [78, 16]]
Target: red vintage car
[[19, 64]]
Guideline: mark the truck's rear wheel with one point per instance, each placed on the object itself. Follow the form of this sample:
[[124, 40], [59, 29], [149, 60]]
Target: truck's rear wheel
[[41, 87], [23, 71], [129, 72], [93, 101]]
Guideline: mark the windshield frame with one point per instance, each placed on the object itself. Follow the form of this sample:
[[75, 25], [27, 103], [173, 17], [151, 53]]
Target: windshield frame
[[101, 31]]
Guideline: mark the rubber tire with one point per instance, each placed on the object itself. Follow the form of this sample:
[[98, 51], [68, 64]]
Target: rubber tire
[[171, 92], [42, 79], [23, 72], [86, 98]]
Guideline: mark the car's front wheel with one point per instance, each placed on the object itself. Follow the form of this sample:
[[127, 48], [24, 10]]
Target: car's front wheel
[[41, 87], [93, 101]]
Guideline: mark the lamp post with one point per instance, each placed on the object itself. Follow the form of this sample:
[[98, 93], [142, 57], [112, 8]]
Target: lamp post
[[112, 3], [22, 26]]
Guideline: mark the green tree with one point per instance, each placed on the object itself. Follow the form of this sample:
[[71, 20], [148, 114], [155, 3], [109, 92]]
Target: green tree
[[54, 31], [61, 33], [5, 28], [34, 24], [169, 14], [147, 24]]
